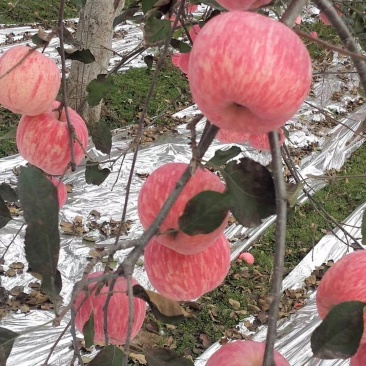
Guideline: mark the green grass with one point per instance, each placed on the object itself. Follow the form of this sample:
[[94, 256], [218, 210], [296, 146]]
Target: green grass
[[30, 11]]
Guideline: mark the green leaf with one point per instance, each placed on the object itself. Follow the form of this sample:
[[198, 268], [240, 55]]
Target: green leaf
[[293, 191], [38, 41], [363, 228], [147, 5], [165, 357], [5, 215], [164, 310], [99, 88], [7, 338], [7, 193], [39, 201], [128, 14], [156, 30], [95, 175], [221, 157], [180, 46], [108, 356], [250, 189], [339, 334], [204, 213], [84, 56], [102, 137], [88, 331]]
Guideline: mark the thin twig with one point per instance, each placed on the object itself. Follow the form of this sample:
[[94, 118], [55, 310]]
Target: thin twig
[[279, 254], [12, 241], [64, 84], [345, 35]]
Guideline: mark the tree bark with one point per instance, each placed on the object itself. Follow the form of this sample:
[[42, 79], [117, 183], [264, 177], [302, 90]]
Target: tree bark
[[94, 32]]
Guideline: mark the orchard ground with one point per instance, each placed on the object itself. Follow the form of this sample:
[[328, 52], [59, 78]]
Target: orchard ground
[[216, 314]]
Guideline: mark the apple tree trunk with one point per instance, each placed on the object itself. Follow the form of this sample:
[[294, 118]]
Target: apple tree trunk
[[94, 32]]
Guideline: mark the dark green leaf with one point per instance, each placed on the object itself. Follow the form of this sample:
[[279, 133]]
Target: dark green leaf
[[7, 338], [164, 310], [251, 192], [128, 14], [38, 197], [88, 331], [221, 157], [293, 191], [84, 56], [37, 40], [156, 30], [7, 193], [99, 88], [108, 356], [363, 228], [180, 46], [339, 334], [11, 134], [147, 5], [5, 215], [102, 137], [204, 213], [94, 175], [149, 61], [165, 357]]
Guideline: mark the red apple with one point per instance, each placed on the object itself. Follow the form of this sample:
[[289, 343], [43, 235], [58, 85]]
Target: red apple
[[231, 137], [118, 311], [243, 353], [243, 4], [61, 191], [248, 73], [261, 142], [156, 190], [247, 258], [31, 87], [43, 140], [359, 359], [344, 281], [186, 277]]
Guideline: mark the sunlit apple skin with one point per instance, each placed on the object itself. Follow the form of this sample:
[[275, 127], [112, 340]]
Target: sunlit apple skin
[[247, 258], [344, 281], [243, 4], [117, 311], [32, 86], [261, 141], [187, 277], [43, 140], [61, 191], [156, 190], [248, 73], [359, 359], [231, 137], [243, 353]]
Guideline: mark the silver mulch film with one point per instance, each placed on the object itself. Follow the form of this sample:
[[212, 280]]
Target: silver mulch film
[[335, 145]]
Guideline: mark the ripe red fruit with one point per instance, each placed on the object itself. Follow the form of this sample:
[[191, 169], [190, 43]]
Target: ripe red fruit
[[31, 87], [61, 191], [247, 257], [243, 353], [248, 73], [117, 311], [344, 281], [231, 137], [156, 190], [186, 277], [243, 4], [43, 140], [261, 142]]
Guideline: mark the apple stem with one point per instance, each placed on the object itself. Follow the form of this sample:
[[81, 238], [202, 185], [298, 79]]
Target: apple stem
[[279, 255], [345, 35]]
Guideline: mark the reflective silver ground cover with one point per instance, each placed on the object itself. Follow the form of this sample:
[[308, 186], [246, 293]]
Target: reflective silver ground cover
[[32, 348]]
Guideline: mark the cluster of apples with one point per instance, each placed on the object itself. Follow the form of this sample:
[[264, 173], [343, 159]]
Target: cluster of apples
[[29, 84], [345, 281]]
